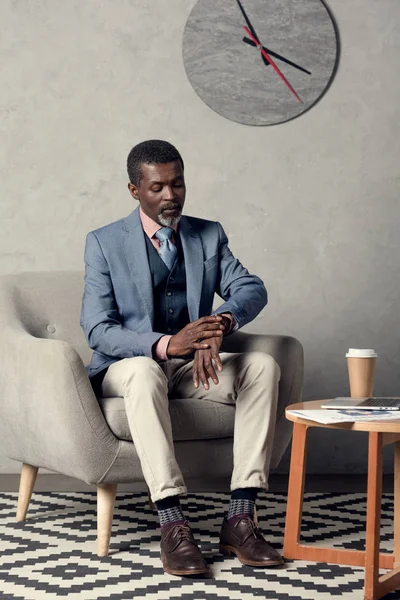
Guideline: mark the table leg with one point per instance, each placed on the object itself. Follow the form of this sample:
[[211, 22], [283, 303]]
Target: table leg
[[396, 502], [374, 500], [296, 490], [391, 580]]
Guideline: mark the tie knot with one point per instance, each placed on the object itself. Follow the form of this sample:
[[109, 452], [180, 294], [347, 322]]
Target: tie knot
[[164, 233]]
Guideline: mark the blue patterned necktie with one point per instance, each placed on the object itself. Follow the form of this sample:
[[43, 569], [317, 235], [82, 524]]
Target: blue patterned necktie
[[167, 249]]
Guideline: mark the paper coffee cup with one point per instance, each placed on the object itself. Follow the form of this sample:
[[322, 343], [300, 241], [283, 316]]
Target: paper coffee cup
[[361, 364]]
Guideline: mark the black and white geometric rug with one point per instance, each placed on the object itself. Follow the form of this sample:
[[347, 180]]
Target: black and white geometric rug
[[53, 554]]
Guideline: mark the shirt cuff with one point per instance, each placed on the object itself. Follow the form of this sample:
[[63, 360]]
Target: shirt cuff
[[160, 348]]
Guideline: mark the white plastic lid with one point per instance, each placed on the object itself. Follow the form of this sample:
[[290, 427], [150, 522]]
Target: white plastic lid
[[361, 353]]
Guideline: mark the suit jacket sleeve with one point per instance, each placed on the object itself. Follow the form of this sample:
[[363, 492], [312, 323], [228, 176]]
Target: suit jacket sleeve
[[244, 294], [100, 319]]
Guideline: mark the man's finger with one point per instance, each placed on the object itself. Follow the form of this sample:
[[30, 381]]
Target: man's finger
[[216, 357], [209, 319], [202, 374], [206, 327], [203, 342], [200, 346], [195, 374], [208, 334], [209, 369]]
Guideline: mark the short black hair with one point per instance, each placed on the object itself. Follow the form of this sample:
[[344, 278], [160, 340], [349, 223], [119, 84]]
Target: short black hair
[[150, 152]]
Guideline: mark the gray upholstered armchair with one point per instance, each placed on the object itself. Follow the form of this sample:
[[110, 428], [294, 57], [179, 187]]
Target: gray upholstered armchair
[[50, 417]]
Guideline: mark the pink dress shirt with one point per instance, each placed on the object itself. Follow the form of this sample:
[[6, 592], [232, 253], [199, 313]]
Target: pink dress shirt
[[150, 228]]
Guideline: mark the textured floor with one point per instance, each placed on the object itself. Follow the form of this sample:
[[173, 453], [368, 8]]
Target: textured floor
[[52, 554]]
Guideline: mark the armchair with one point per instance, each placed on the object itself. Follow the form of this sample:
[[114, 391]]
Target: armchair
[[50, 418]]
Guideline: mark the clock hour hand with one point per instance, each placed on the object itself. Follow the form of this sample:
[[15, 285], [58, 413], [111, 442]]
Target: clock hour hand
[[282, 58]]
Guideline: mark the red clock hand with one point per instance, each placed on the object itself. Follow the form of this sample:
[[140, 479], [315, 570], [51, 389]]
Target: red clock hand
[[273, 65]]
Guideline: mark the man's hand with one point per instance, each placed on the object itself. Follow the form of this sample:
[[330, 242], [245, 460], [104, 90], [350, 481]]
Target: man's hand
[[203, 367], [196, 336]]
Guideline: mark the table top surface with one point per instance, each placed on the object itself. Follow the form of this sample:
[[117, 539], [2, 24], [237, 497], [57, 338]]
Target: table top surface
[[383, 426]]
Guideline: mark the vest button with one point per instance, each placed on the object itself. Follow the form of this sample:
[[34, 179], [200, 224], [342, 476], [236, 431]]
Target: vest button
[[172, 278], [171, 311], [169, 293]]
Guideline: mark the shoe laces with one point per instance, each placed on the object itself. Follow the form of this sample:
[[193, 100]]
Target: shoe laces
[[252, 527], [184, 533]]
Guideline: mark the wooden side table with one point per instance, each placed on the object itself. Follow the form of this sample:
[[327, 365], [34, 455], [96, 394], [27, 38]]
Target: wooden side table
[[381, 433]]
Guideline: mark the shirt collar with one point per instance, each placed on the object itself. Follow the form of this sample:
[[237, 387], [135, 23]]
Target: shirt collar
[[150, 227]]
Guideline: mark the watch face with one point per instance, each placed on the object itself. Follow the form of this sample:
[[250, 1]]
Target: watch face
[[260, 62]]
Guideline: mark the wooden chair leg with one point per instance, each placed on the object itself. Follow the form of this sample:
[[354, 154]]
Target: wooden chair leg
[[26, 483], [106, 493]]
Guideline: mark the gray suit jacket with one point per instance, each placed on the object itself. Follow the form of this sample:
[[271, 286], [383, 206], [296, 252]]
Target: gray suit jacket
[[117, 307]]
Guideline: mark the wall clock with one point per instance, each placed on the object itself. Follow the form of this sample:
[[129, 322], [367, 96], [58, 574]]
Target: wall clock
[[260, 62]]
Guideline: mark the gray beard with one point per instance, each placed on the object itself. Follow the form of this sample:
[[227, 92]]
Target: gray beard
[[168, 221]]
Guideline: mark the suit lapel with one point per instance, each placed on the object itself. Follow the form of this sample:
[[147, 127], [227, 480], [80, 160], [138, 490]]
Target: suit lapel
[[136, 256], [194, 260]]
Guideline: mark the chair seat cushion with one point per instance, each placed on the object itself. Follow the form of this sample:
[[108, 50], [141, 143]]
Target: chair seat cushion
[[191, 419]]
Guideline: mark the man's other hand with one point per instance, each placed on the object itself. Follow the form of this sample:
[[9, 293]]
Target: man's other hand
[[203, 367], [196, 336]]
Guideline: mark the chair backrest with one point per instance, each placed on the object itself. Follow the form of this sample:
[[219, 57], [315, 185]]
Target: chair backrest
[[46, 304]]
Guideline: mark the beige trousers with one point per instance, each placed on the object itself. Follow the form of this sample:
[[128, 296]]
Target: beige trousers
[[249, 380]]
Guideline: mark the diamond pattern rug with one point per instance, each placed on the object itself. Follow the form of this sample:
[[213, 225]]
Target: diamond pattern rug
[[53, 553]]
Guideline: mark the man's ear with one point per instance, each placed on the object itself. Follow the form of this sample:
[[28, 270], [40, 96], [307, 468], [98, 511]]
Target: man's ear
[[134, 192]]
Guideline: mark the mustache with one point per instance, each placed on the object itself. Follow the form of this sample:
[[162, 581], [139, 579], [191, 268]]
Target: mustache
[[171, 206]]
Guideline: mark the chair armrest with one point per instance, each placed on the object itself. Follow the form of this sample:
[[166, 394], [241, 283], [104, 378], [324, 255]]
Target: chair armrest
[[288, 353], [49, 415], [286, 350]]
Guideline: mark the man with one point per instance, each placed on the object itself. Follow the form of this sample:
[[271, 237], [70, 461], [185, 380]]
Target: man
[[147, 314]]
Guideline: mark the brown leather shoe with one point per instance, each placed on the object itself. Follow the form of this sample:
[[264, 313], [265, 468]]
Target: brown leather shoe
[[246, 541], [180, 555]]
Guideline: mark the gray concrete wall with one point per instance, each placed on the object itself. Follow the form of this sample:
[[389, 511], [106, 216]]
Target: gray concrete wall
[[311, 206]]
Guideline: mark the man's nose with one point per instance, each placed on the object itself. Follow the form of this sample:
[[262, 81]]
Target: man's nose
[[168, 193]]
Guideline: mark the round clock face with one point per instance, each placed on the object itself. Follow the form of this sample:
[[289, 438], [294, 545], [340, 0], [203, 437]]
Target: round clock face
[[259, 62]]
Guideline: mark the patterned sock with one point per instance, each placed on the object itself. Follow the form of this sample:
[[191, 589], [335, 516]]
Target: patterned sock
[[170, 511], [242, 503]]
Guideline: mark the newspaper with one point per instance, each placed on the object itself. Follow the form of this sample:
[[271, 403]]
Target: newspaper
[[329, 415]]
